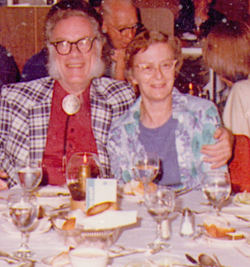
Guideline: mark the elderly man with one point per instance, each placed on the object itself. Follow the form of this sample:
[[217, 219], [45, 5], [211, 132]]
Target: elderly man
[[51, 118], [120, 24]]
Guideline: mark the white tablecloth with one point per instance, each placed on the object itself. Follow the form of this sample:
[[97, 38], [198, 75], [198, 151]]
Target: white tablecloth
[[137, 236]]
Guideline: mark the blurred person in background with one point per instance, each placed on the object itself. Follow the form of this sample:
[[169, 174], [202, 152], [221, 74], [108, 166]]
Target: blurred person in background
[[227, 51], [198, 17], [9, 72], [121, 22]]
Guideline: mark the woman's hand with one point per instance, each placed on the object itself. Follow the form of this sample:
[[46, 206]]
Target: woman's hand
[[221, 151]]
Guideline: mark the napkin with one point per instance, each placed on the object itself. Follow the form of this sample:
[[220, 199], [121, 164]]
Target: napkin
[[106, 220]]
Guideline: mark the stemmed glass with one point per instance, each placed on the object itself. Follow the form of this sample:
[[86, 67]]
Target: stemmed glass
[[216, 187], [159, 202], [146, 167], [29, 175], [23, 211]]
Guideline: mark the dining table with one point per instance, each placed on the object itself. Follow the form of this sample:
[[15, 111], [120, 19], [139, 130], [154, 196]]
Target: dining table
[[231, 253]]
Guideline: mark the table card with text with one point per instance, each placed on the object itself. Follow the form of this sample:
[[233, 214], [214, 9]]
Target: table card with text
[[100, 191]]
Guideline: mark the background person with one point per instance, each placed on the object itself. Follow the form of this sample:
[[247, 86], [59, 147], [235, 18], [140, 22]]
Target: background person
[[9, 72], [120, 24], [197, 16], [227, 51], [36, 66], [162, 120]]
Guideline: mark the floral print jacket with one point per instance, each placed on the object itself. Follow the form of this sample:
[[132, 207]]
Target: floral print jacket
[[197, 120]]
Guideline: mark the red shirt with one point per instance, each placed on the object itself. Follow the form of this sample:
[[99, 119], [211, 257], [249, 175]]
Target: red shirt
[[79, 136]]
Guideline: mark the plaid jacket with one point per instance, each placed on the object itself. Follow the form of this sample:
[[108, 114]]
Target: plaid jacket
[[25, 113]]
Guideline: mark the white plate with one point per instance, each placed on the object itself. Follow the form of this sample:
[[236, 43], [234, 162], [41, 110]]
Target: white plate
[[53, 196], [237, 203], [43, 225], [48, 260], [168, 262], [128, 197], [226, 241], [236, 210], [3, 207], [131, 198]]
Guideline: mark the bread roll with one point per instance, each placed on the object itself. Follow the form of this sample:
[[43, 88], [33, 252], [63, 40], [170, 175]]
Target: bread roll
[[134, 187], [61, 259], [98, 208], [69, 224]]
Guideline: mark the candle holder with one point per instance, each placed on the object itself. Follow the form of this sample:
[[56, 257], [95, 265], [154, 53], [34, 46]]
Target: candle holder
[[82, 165]]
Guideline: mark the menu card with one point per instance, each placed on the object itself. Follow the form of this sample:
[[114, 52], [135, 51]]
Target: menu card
[[100, 191]]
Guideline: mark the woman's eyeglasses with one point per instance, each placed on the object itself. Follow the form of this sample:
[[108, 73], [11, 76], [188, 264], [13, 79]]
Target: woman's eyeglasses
[[149, 68]]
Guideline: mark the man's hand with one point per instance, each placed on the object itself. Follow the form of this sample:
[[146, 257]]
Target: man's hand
[[221, 151], [118, 57]]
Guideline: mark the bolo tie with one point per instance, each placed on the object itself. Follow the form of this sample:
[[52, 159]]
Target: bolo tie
[[71, 104]]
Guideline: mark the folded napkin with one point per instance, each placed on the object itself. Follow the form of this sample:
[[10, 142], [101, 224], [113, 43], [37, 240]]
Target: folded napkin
[[106, 220]]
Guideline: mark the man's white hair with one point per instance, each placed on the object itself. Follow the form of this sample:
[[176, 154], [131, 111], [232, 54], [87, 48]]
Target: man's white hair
[[106, 6]]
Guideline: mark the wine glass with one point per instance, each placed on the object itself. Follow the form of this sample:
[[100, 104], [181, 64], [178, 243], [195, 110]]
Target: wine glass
[[159, 202], [216, 187], [146, 167], [29, 175], [23, 211]]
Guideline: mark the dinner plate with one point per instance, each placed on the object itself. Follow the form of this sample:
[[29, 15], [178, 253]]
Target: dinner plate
[[47, 261], [3, 207], [53, 196], [168, 262], [223, 240], [236, 210], [240, 204], [131, 198], [43, 226], [128, 197]]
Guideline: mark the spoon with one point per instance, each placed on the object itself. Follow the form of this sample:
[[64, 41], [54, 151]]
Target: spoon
[[207, 261], [191, 259]]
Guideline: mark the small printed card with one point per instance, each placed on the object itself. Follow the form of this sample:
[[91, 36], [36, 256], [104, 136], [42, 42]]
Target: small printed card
[[99, 191]]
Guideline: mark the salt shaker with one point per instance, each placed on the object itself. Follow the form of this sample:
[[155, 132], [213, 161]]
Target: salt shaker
[[166, 229], [187, 223]]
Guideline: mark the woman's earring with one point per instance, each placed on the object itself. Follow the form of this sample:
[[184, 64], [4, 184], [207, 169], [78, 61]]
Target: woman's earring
[[104, 31]]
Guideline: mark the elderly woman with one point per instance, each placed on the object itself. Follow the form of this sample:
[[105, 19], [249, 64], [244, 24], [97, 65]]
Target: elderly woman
[[162, 120]]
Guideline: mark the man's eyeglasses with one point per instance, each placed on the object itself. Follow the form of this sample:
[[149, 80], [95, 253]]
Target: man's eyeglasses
[[126, 30], [83, 45], [149, 69]]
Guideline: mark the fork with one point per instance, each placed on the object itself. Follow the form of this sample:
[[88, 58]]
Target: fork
[[242, 253]]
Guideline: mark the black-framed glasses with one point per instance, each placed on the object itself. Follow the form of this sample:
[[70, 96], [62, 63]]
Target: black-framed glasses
[[126, 30], [83, 45]]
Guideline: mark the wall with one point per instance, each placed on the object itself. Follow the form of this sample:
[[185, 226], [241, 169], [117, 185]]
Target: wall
[[21, 31]]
